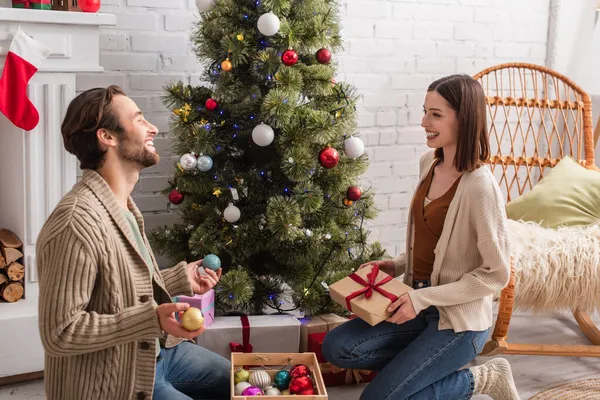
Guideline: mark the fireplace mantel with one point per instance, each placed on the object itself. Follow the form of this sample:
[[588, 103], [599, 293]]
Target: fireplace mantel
[[35, 170]]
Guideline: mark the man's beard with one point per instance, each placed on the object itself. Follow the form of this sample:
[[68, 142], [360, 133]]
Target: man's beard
[[129, 151]]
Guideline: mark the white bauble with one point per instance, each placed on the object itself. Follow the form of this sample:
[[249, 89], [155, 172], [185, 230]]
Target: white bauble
[[268, 24], [260, 379], [240, 387], [272, 391], [354, 147], [263, 135], [205, 5], [188, 161], [205, 163], [232, 213]]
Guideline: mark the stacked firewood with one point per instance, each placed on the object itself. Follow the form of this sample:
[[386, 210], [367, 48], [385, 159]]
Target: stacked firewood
[[12, 270]]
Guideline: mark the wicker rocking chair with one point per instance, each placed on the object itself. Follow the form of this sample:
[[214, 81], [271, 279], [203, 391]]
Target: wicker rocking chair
[[536, 116]]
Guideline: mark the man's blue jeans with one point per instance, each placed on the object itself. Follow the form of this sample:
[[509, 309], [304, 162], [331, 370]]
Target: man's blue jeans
[[189, 371], [417, 361]]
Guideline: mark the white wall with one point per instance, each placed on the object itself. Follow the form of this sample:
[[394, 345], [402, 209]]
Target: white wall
[[393, 50]]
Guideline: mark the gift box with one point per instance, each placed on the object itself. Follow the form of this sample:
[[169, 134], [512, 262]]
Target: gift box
[[256, 333], [318, 324], [368, 293], [332, 375], [204, 302], [36, 4]]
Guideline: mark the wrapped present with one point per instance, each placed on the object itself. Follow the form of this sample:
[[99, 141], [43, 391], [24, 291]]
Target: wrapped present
[[368, 293], [204, 302], [332, 375], [37, 4], [321, 323], [256, 333]]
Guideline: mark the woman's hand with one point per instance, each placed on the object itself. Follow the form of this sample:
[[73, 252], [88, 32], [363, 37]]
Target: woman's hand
[[405, 310], [386, 266]]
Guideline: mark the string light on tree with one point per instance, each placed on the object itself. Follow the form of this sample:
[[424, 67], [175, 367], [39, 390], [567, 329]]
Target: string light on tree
[[188, 161], [354, 147], [263, 135], [268, 24], [289, 57]]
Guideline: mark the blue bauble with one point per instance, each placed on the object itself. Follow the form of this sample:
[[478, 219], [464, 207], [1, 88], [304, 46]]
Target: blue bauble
[[211, 262], [282, 379], [204, 163]]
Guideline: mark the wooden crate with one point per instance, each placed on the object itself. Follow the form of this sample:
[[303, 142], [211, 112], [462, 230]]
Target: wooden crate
[[274, 362]]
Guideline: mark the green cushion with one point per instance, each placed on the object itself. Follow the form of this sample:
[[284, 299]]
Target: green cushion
[[569, 195]]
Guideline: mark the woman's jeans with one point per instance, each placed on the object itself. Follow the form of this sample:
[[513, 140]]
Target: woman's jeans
[[416, 360]]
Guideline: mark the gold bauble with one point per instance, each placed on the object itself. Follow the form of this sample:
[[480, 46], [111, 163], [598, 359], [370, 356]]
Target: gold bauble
[[348, 202], [192, 319], [226, 65]]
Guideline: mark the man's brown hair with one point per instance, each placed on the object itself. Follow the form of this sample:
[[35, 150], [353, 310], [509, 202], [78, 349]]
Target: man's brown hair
[[466, 97], [88, 112]]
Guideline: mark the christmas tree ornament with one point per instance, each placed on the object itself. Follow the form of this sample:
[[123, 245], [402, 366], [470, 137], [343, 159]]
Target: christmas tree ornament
[[175, 197], [329, 157], [354, 193], [205, 5], [263, 135], [192, 319], [354, 147], [90, 6], [252, 391], [348, 202], [323, 56], [272, 391], [24, 58], [210, 104], [241, 375], [289, 57], [282, 379], [240, 387], [211, 261], [260, 379], [188, 161], [285, 392], [300, 384], [240, 37], [204, 163], [299, 370], [307, 392], [226, 65], [268, 24], [217, 192], [232, 213]]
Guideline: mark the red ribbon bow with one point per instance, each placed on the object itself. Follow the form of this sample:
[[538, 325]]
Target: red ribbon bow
[[370, 286], [245, 347]]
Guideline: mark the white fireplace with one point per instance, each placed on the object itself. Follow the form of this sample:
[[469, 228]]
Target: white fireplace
[[35, 170]]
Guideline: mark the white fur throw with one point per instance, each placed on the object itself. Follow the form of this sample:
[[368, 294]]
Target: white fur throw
[[556, 269]]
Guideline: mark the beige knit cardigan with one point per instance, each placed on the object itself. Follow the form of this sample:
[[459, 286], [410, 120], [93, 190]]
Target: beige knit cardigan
[[472, 256], [96, 317]]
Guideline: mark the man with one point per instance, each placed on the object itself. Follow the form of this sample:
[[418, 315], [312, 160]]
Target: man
[[103, 302]]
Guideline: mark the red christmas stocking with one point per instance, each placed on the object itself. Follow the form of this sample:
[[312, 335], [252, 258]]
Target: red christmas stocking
[[24, 58]]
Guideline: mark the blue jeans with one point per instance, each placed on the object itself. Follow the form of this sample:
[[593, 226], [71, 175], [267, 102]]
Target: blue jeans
[[188, 371], [417, 361]]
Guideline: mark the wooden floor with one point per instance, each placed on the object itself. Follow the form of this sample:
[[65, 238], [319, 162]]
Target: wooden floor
[[532, 374]]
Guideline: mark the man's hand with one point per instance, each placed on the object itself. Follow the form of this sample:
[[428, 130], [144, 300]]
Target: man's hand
[[202, 283], [405, 310], [168, 323], [386, 266]]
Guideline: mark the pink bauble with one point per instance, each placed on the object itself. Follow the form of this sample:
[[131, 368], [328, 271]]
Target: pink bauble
[[252, 391]]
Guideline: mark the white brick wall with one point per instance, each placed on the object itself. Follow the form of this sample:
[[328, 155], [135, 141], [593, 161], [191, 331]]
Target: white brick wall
[[393, 50]]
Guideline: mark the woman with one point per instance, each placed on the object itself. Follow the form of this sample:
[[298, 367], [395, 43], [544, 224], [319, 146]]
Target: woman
[[457, 257]]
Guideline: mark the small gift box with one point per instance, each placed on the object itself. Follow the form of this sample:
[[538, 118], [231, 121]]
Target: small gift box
[[368, 293], [318, 324], [36, 4], [204, 302], [256, 333]]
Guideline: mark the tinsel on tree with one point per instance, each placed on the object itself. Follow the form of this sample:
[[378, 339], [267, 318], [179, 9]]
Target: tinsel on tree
[[268, 178]]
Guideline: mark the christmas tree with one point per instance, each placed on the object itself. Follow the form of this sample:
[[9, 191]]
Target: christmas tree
[[268, 179]]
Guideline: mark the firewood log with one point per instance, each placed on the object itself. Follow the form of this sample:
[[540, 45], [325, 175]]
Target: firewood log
[[12, 291], [9, 239], [15, 271], [11, 255]]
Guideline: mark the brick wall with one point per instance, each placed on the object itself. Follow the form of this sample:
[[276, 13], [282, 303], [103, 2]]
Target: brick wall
[[393, 50]]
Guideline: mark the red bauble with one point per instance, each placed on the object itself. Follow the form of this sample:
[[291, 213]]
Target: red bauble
[[329, 157], [324, 56], [300, 384], [289, 57], [210, 104], [307, 392], [91, 6], [299, 370], [354, 193], [176, 197]]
